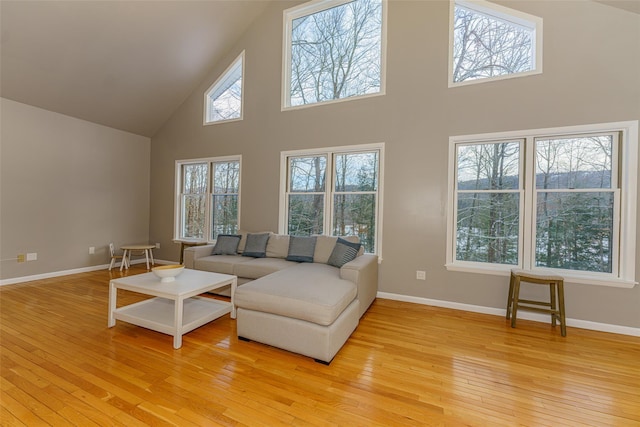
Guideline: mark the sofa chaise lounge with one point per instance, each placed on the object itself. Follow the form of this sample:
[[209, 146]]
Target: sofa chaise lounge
[[308, 303]]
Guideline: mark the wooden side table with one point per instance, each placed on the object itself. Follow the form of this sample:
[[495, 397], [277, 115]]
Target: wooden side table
[[126, 254], [187, 244]]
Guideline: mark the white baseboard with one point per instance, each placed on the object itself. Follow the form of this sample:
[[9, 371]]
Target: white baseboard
[[577, 323], [536, 317], [15, 280]]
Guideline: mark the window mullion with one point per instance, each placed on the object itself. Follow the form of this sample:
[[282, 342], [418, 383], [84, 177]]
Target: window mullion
[[615, 254], [329, 188], [528, 204], [180, 213], [617, 203], [208, 208]]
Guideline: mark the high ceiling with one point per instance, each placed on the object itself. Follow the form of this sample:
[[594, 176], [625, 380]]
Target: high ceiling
[[629, 5], [124, 64]]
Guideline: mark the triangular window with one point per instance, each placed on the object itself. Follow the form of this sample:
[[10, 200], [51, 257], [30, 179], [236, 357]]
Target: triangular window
[[223, 100]]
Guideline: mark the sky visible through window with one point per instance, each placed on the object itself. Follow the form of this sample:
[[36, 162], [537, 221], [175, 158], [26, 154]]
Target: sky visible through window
[[336, 53]]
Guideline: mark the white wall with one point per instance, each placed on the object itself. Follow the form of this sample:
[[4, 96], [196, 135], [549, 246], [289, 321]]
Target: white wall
[[591, 75], [66, 185]]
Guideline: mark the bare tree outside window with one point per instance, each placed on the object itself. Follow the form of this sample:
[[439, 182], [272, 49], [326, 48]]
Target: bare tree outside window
[[575, 203], [486, 46], [209, 197], [355, 197], [335, 193], [226, 106], [548, 199], [306, 195], [194, 189], [336, 53], [226, 186], [488, 213], [223, 100]]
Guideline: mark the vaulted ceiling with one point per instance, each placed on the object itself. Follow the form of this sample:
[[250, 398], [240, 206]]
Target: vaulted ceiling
[[124, 64]]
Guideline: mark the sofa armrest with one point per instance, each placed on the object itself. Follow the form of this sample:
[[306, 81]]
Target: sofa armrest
[[192, 253], [363, 271]]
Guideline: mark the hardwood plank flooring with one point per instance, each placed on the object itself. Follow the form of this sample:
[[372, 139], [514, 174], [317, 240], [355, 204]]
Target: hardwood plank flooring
[[405, 365]]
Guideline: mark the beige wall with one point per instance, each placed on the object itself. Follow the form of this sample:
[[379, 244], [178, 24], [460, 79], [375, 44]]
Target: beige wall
[[591, 75], [67, 184]]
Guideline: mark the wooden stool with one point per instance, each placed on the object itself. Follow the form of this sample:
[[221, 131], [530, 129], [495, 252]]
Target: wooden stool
[[556, 287]]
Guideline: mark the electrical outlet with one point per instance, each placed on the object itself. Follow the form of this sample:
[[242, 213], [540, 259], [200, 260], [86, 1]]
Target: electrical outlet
[[157, 245], [20, 257], [92, 250], [421, 275], [32, 257]]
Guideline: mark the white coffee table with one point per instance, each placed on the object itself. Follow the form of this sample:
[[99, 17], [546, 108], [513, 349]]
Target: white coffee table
[[176, 309]]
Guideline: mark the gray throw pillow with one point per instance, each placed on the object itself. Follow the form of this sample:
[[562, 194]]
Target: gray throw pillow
[[343, 252], [301, 249], [256, 245], [226, 244]]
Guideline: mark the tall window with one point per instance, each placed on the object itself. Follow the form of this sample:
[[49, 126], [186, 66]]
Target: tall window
[[207, 203], [557, 199], [333, 191], [223, 100], [490, 42], [334, 49], [488, 188], [576, 195]]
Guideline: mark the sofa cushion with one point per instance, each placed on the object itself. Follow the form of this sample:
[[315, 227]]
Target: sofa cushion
[[226, 244], [243, 238], [301, 248], [256, 245], [343, 252], [258, 267], [219, 263], [310, 292], [325, 245], [278, 246]]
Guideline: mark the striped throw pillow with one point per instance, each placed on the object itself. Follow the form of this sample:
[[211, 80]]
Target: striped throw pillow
[[343, 252]]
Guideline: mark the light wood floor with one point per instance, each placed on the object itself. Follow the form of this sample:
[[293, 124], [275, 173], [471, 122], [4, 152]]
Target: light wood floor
[[406, 364]]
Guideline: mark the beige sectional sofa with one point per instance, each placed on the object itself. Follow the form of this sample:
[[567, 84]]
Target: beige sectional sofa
[[310, 308]]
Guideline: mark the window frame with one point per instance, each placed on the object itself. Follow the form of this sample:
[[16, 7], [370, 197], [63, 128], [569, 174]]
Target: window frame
[[522, 19], [219, 82], [330, 191], [615, 190], [626, 171], [178, 208], [310, 8]]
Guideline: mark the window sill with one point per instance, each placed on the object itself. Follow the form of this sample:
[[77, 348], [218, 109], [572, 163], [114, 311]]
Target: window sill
[[570, 277], [215, 122], [286, 107]]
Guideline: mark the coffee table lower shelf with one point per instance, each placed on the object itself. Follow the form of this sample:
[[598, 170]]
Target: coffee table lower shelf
[[158, 314]]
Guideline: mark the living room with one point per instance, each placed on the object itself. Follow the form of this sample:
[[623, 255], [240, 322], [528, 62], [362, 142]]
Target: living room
[[69, 183]]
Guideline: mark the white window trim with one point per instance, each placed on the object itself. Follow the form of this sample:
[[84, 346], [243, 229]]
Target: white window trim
[[309, 8], [220, 79], [177, 213], [330, 151], [504, 13], [628, 178]]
